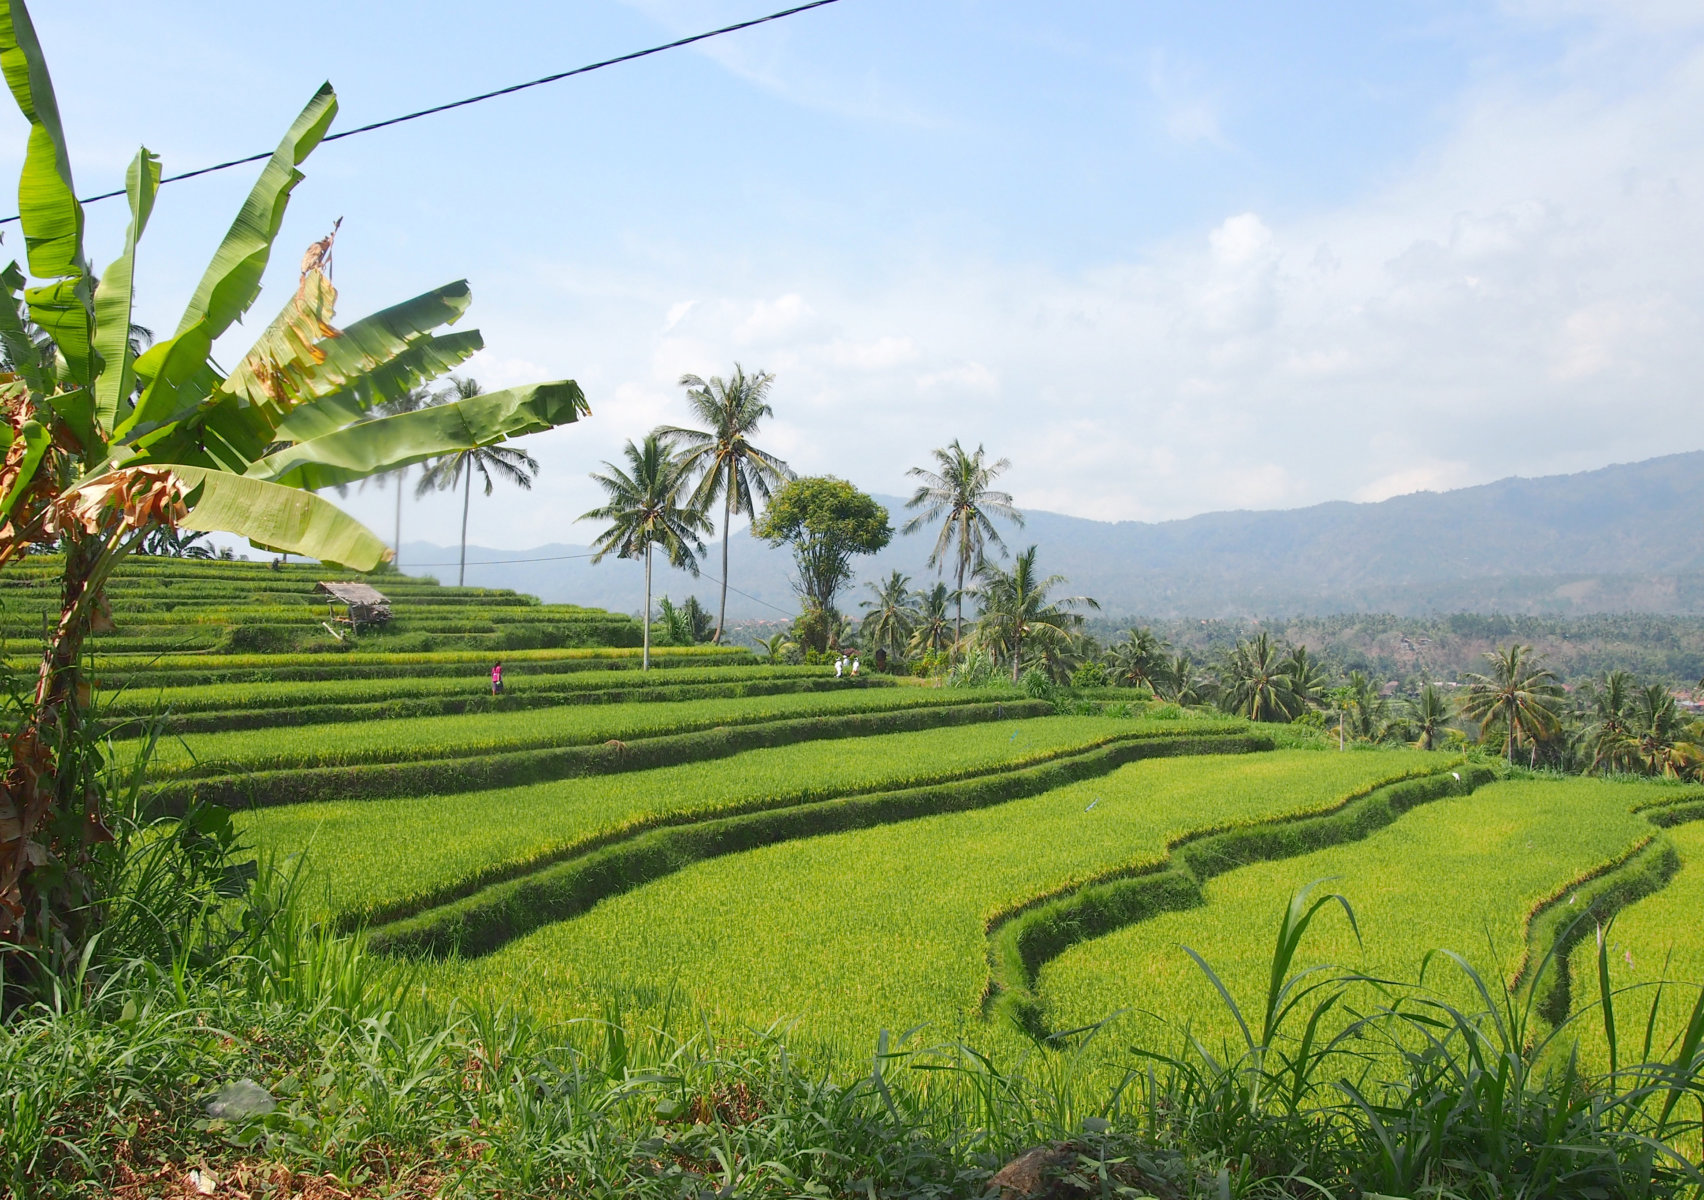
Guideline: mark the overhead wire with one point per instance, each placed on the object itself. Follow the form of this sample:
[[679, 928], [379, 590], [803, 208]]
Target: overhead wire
[[483, 96]]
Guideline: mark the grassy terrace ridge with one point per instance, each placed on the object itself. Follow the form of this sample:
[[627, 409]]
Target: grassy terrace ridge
[[1475, 874], [470, 773], [394, 859], [1655, 961], [411, 739], [1023, 940], [475, 700], [495, 915], [111, 673], [246, 697], [884, 936], [187, 605]]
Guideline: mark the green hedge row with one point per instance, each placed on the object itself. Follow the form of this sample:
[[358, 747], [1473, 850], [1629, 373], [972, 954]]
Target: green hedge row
[[221, 721], [1576, 911], [1022, 944], [447, 776], [493, 916]]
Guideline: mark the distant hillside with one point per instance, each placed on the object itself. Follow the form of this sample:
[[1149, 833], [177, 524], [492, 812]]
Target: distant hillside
[[1625, 538]]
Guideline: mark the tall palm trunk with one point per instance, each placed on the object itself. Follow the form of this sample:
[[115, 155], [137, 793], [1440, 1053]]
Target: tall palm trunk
[[645, 625], [467, 495], [727, 520], [958, 620], [1017, 649], [396, 545]]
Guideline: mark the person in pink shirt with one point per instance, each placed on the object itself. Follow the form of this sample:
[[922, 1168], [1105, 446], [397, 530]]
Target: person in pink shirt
[[497, 679]]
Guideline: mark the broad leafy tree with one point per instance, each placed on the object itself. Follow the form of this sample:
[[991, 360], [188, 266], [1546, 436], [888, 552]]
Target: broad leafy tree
[[960, 495], [1019, 609], [1256, 681], [104, 445], [648, 507], [828, 523], [1518, 696], [720, 453], [490, 463]]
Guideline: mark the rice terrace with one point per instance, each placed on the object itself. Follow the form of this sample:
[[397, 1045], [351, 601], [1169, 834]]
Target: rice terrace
[[784, 838]]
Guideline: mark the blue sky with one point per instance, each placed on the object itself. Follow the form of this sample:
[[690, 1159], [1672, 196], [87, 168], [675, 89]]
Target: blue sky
[[1166, 257]]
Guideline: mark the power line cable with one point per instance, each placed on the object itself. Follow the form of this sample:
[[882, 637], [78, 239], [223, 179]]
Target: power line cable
[[483, 96]]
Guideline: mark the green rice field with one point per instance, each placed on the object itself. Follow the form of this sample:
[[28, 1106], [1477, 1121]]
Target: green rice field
[[764, 844]]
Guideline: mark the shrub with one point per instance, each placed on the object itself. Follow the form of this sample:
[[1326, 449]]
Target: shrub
[[1090, 675]]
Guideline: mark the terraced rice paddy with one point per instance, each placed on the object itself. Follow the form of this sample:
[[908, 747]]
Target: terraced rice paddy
[[1459, 873], [886, 926], [1655, 959], [471, 735], [769, 844], [395, 853]]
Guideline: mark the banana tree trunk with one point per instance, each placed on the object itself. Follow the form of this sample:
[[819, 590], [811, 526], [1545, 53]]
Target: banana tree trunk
[[645, 624], [727, 520], [467, 495], [50, 802]]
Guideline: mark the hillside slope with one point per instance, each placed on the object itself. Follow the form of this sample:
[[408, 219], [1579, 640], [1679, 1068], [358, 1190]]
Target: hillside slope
[[1624, 538]]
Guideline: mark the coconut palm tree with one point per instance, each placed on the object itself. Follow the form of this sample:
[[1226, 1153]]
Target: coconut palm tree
[[1183, 684], [960, 496], [727, 466], [1609, 718], [1428, 716], [1307, 679], [1519, 694], [1016, 607], [1257, 682], [490, 463], [1657, 741], [1138, 659], [1370, 711], [890, 617], [647, 508], [932, 634]]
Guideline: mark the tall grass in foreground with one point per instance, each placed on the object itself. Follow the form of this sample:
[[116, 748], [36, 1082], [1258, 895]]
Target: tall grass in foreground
[[379, 1086]]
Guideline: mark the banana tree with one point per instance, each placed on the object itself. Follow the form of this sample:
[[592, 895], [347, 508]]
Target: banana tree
[[103, 446]]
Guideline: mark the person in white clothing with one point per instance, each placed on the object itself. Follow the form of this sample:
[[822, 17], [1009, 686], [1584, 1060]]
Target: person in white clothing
[[854, 668], [837, 665]]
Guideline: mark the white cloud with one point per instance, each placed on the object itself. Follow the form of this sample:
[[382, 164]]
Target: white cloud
[[1494, 308], [966, 377]]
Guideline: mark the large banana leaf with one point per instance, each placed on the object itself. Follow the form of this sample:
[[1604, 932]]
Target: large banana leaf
[[116, 293], [25, 358], [52, 219], [301, 359], [421, 361], [279, 367], [232, 280], [50, 216], [369, 447], [283, 518]]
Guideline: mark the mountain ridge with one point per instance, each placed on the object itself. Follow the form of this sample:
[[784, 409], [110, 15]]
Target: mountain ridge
[[1621, 538]]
